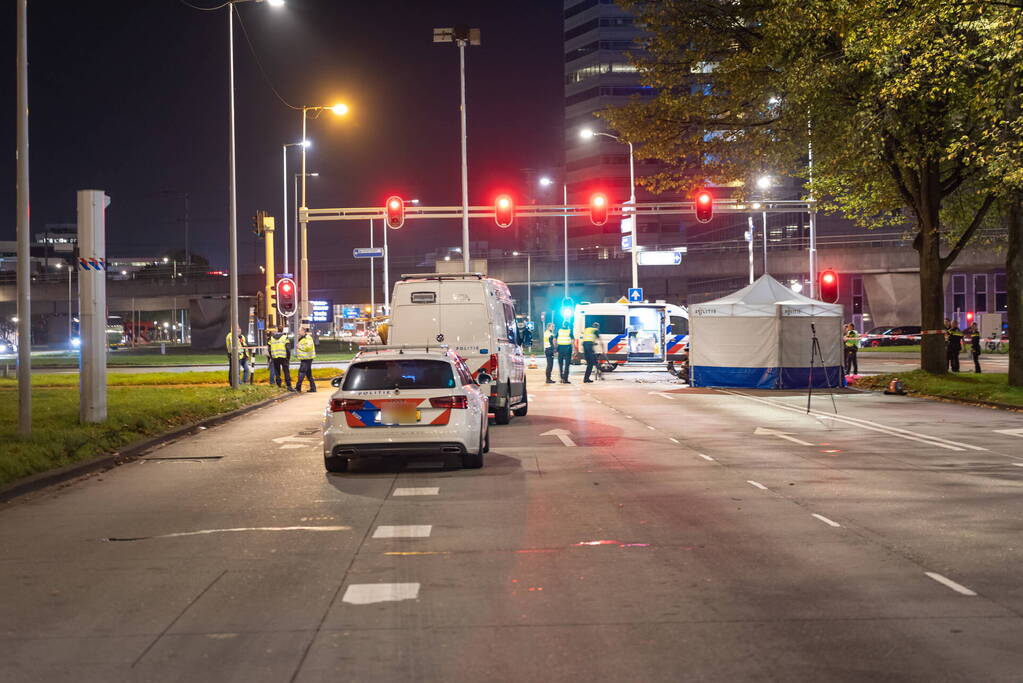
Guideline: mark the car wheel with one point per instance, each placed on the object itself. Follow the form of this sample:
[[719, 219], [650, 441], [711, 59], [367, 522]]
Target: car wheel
[[502, 416], [474, 461], [336, 464], [521, 411]]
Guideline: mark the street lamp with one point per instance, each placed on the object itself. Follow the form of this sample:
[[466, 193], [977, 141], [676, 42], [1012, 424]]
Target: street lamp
[[545, 182], [764, 183], [589, 133], [529, 283], [284, 192], [339, 109]]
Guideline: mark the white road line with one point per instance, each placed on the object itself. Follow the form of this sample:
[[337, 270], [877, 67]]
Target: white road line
[[369, 593], [957, 587], [1018, 464], [706, 457], [629, 416], [867, 424], [829, 522], [407, 531], [289, 446], [757, 484], [673, 439], [653, 428], [417, 491]]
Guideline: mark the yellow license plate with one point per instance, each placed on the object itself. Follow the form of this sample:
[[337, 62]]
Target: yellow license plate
[[400, 415]]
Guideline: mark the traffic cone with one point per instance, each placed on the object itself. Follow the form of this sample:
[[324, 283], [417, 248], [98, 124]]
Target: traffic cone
[[532, 362], [895, 388]]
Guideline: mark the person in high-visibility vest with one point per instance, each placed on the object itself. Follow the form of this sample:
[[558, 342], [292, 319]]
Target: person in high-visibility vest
[[305, 351], [548, 349], [591, 337], [852, 342], [974, 333], [565, 350], [243, 356], [272, 376], [278, 344], [953, 345]]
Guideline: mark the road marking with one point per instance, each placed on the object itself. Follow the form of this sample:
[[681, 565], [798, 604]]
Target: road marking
[[824, 519], [706, 457], [1018, 464], [407, 531], [653, 428], [673, 439], [204, 532], [369, 593], [661, 393], [417, 491], [757, 484], [957, 587], [289, 446], [867, 424], [762, 431], [563, 436], [1010, 432], [292, 439], [629, 416], [531, 395]]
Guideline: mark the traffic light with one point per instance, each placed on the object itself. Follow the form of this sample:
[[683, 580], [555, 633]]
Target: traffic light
[[567, 308], [504, 211], [598, 209], [260, 306], [395, 207], [286, 297], [257, 222], [829, 286], [704, 206]]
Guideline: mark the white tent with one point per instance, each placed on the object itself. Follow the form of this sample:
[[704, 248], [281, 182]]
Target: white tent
[[761, 336]]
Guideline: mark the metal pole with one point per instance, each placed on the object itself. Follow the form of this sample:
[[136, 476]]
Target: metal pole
[[294, 257], [529, 287], [284, 192], [372, 290], [765, 242], [635, 223], [70, 333], [232, 209], [92, 245], [813, 214], [188, 253], [304, 286], [749, 244], [387, 274], [465, 164], [24, 247], [564, 188]]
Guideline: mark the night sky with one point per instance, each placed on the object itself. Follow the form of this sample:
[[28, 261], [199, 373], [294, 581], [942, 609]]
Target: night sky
[[131, 98]]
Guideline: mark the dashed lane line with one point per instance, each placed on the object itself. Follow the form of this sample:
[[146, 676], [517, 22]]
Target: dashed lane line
[[369, 593], [673, 439], [417, 491], [653, 428], [707, 457], [406, 531], [945, 581], [829, 522], [757, 484]]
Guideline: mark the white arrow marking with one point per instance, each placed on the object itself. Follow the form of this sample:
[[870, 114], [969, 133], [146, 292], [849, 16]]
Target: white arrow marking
[[761, 431], [290, 439], [1010, 432], [661, 393], [561, 434]]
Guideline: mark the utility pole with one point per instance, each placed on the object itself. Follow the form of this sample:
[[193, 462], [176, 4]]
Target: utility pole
[[232, 229], [24, 247]]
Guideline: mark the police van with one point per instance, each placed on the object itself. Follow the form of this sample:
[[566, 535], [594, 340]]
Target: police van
[[637, 333], [472, 315]]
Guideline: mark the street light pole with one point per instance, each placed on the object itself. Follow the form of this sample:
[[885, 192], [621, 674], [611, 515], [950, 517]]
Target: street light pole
[[24, 247], [564, 189], [586, 134], [232, 209], [465, 163]]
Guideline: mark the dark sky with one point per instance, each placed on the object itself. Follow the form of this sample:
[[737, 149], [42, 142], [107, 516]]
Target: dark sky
[[131, 97]]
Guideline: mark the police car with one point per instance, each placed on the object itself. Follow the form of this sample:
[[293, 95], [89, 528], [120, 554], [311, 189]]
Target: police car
[[407, 400]]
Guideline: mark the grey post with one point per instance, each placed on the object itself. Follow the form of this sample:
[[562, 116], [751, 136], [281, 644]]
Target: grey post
[[92, 292]]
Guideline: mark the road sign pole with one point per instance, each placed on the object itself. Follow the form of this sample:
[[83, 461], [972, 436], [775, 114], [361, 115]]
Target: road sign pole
[[92, 290], [372, 286]]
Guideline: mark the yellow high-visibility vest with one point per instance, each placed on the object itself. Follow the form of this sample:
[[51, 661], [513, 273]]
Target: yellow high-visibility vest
[[852, 337], [590, 335], [278, 347], [242, 351], [548, 339], [564, 337], [306, 348]]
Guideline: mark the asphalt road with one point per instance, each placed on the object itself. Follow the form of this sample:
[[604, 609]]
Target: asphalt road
[[628, 530]]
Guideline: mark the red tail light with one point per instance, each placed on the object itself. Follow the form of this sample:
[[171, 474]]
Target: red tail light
[[493, 366], [341, 405], [449, 402]]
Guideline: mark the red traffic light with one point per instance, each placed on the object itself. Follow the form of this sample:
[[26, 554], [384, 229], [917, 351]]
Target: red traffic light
[[829, 286], [395, 210], [704, 206], [969, 316], [504, 211], [598, 209], [286, 300]]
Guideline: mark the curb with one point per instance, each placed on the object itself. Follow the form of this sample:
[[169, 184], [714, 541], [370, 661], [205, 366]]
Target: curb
[[100, 463]]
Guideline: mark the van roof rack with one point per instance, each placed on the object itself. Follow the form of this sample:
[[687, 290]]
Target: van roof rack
[[403, 347], [441, 276]]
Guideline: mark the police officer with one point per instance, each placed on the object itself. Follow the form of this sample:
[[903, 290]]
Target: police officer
[[974, 333], [852, 341], [591, 337], [305, 351], [243, 356], [548, 349], [279, 351], [953, 345], [565, 350], [272, 377]]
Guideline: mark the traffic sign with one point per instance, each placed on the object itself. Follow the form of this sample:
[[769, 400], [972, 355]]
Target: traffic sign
[[350, 312], [323, 311], [627, 242], [660, 258], [368, 252], [635, 294]]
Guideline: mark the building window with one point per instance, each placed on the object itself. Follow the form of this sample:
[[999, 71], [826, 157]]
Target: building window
[[585, 5], [980, 293], [1001, 298], [857, 295], [958, 293], [608, 91]]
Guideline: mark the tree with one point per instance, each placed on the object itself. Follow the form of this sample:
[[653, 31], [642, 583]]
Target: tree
[[882, 88]]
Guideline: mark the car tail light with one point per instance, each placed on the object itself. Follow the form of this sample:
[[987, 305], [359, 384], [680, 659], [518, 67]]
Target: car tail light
[[341, 405], [449, 402], [494, 365]]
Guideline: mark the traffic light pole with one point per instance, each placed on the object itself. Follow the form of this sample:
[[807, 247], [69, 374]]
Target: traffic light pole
[[465, 163]]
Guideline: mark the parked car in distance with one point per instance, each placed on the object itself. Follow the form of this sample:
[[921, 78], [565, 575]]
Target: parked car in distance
[[407, 400], [902, 335]]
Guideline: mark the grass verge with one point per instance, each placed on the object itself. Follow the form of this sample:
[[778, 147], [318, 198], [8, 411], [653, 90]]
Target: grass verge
[[149, 357], [124, 379], [991, 388]]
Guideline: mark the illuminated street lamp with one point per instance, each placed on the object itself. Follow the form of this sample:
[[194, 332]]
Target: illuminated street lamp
[[588, 134], [284, 191], [545, 182], [529, 284]]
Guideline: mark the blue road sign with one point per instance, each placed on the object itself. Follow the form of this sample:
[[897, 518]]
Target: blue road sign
[[368, 252], [635, 294], [627, 242]]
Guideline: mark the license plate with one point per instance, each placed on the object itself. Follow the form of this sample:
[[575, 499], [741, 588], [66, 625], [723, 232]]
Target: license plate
[[400, 415]]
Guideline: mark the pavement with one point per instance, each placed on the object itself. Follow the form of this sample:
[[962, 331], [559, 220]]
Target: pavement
[[632, 529]]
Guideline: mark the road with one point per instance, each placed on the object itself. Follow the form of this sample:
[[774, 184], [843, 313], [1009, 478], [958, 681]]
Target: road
[[883, 362], [628, 530]]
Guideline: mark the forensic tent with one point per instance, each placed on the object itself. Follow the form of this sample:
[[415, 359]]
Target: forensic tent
[[762, 337]]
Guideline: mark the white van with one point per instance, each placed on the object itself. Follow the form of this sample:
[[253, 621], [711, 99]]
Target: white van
[[472, 315], [637, 333]]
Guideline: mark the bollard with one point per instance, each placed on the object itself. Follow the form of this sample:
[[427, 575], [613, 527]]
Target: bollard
[[163, 348]]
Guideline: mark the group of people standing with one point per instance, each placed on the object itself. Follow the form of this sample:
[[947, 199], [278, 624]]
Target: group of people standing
[[278, 354], [560, 343], [954, 338]]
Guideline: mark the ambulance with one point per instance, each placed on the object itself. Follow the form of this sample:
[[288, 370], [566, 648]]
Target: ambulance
[[637, 334], [474, 316]]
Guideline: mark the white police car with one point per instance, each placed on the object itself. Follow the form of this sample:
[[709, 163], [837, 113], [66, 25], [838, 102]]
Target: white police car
[[406, 400]]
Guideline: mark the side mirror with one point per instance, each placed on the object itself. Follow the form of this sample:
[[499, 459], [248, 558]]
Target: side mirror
[[336, 381], [483, 378]]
